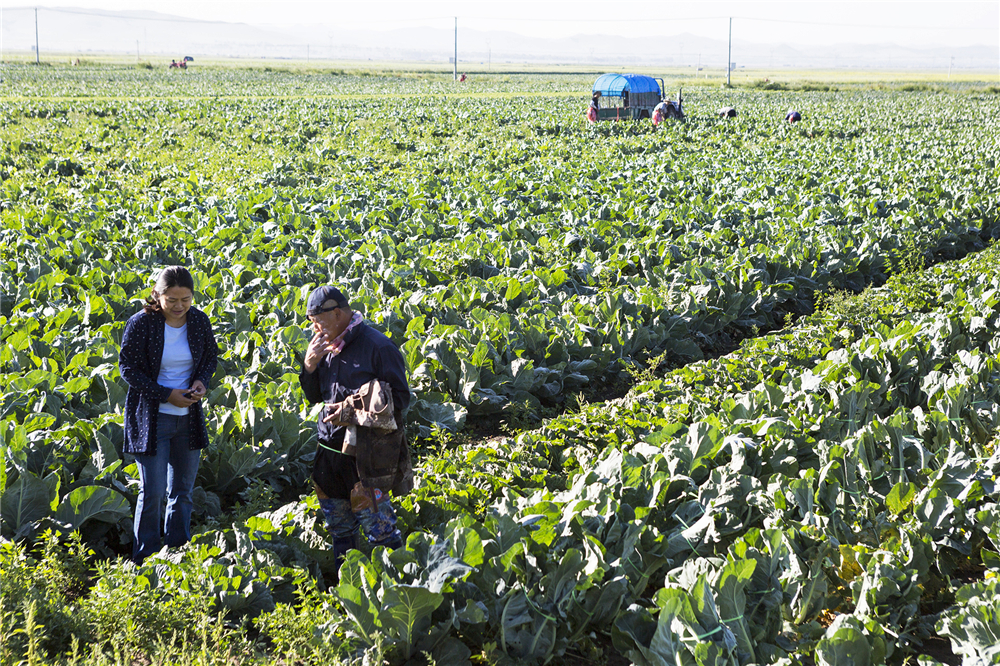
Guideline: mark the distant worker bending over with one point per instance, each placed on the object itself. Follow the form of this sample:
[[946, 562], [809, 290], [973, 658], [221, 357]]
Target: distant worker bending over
[[666, 109], [793, 116], [660, 113]]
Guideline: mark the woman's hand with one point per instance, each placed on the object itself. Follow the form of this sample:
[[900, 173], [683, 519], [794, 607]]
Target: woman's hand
[[319, 346], [177, 398], [197, 390]]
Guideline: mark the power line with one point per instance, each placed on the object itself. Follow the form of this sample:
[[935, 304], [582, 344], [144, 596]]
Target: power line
[[715, 18], [601, 20], [528, 20], [722, 18], [860, 25], [118, 16], [180, 19]]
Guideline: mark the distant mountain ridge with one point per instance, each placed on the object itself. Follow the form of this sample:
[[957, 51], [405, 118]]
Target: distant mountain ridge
[[154, 34]]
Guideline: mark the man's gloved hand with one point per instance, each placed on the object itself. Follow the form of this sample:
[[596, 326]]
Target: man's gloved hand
[[342, 413]]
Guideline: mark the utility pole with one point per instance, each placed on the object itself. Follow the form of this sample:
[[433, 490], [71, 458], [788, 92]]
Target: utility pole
[[37, 61], [489, 56], [455, 71], [729, 59], [949, 66], [137, 51]]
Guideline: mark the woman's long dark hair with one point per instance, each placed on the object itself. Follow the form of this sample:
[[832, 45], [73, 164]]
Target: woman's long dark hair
[[173, 276]]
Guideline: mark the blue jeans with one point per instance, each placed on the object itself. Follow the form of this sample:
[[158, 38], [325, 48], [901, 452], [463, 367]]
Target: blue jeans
[[170, 473]]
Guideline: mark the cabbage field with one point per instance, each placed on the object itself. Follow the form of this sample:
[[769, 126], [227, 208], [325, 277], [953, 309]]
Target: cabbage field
[[722, 392]]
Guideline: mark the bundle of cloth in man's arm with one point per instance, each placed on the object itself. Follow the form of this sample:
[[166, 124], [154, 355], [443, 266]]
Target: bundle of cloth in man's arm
[[376, 438], [370, 407]]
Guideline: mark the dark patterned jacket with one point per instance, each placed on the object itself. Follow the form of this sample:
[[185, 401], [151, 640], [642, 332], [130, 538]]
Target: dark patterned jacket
[[383, 460], [139, 363]]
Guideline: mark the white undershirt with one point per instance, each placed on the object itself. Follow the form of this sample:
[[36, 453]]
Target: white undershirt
[[176, 365]]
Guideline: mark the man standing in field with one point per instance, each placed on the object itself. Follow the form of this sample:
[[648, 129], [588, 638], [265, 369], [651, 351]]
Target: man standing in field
[[362, 454]]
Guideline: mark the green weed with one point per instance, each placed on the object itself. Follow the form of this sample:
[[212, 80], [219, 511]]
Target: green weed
[[648, 372], [126, 613], [39, 597]]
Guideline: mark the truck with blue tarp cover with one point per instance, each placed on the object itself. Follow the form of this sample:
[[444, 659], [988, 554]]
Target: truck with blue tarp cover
[[621, 96]]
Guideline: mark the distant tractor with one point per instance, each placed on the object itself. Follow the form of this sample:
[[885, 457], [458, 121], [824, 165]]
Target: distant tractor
[[635, 96]]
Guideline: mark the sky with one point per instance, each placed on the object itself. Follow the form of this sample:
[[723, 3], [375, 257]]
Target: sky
[[913, 24]]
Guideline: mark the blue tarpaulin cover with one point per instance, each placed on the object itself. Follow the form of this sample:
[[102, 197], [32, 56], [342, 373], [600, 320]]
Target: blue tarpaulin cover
[[614, 84]]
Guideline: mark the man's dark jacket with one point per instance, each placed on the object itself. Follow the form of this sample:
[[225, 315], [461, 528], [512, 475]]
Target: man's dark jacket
[[383, 460], [139, 364]]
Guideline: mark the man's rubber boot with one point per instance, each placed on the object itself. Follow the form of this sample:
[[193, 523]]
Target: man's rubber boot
[[393, 544], [340, 547]]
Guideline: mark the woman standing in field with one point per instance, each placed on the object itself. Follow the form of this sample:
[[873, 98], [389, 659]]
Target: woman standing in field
[[168, 357]]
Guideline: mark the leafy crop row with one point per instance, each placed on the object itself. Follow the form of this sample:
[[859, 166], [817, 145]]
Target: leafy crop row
[[514, 269]]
